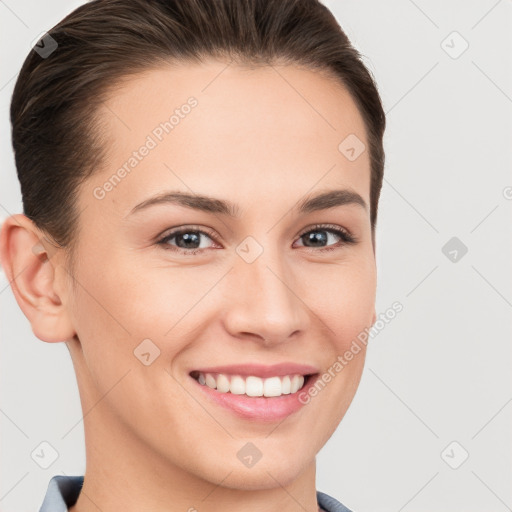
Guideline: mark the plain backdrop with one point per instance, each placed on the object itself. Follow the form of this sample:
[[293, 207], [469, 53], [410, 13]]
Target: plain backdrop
[[430, 426]]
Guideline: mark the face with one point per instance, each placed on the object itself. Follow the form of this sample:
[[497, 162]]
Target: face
[[166, 288]]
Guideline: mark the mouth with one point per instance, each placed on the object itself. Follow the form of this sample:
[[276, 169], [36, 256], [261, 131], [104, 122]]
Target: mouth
[[267, 399], [253, 385]]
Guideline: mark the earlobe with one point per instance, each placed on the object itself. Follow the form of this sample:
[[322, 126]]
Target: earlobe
[[25, 255], [374, 316]]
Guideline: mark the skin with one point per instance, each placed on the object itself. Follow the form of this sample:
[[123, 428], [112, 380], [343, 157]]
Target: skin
[[153, 442]]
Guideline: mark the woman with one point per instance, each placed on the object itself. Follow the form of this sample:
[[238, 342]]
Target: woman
[[200, 186]]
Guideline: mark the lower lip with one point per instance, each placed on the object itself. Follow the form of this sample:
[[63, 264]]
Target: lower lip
[[267, 409]]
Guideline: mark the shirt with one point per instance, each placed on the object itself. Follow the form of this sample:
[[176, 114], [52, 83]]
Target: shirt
[[63, 493]]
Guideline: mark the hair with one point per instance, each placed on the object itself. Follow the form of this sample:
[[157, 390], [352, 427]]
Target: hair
[[56, 131]]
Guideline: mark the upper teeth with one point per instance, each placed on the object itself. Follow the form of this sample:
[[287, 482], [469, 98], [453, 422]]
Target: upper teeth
[[252, 386]]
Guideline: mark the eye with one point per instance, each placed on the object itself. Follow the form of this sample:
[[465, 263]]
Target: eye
[[320, 234], [188, 240]]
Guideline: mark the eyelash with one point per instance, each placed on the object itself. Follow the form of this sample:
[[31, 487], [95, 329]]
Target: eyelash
[[346, 238]]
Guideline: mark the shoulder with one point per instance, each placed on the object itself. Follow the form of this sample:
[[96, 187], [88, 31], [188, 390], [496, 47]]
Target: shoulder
[[62, 493], [329, 504]]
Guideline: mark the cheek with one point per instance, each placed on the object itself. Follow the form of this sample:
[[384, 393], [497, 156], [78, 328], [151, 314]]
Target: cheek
[[126, 299], [343, 297], [126, 309], [120, 315]]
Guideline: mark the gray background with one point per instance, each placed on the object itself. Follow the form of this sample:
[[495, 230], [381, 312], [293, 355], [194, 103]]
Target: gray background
[[440, 371]]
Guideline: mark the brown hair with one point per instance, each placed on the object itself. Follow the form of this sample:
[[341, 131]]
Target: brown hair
[[56, 135]]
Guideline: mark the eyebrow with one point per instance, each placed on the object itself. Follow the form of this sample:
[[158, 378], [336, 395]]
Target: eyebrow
[[322, 201]]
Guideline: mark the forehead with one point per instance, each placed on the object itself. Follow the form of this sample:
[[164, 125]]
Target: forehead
[[209, 124]]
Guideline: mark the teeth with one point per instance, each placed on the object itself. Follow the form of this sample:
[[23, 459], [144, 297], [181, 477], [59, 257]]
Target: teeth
[[210, 381], [286, 385], [252, 386], [237, 386], [222, 384], [272, 387]]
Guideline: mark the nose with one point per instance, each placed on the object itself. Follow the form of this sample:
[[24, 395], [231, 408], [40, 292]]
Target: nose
[[265, 302]]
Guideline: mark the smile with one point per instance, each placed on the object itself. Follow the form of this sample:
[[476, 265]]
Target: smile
[[270, 396], [251, 385]]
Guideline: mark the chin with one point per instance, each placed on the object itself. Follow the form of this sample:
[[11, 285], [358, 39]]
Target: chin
[[263, 475]]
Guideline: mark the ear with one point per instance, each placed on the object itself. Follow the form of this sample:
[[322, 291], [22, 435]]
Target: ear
[[26, 257], [374, 316]]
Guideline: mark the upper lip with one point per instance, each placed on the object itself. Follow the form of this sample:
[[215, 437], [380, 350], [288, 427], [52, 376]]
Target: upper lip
[[260, 370]]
